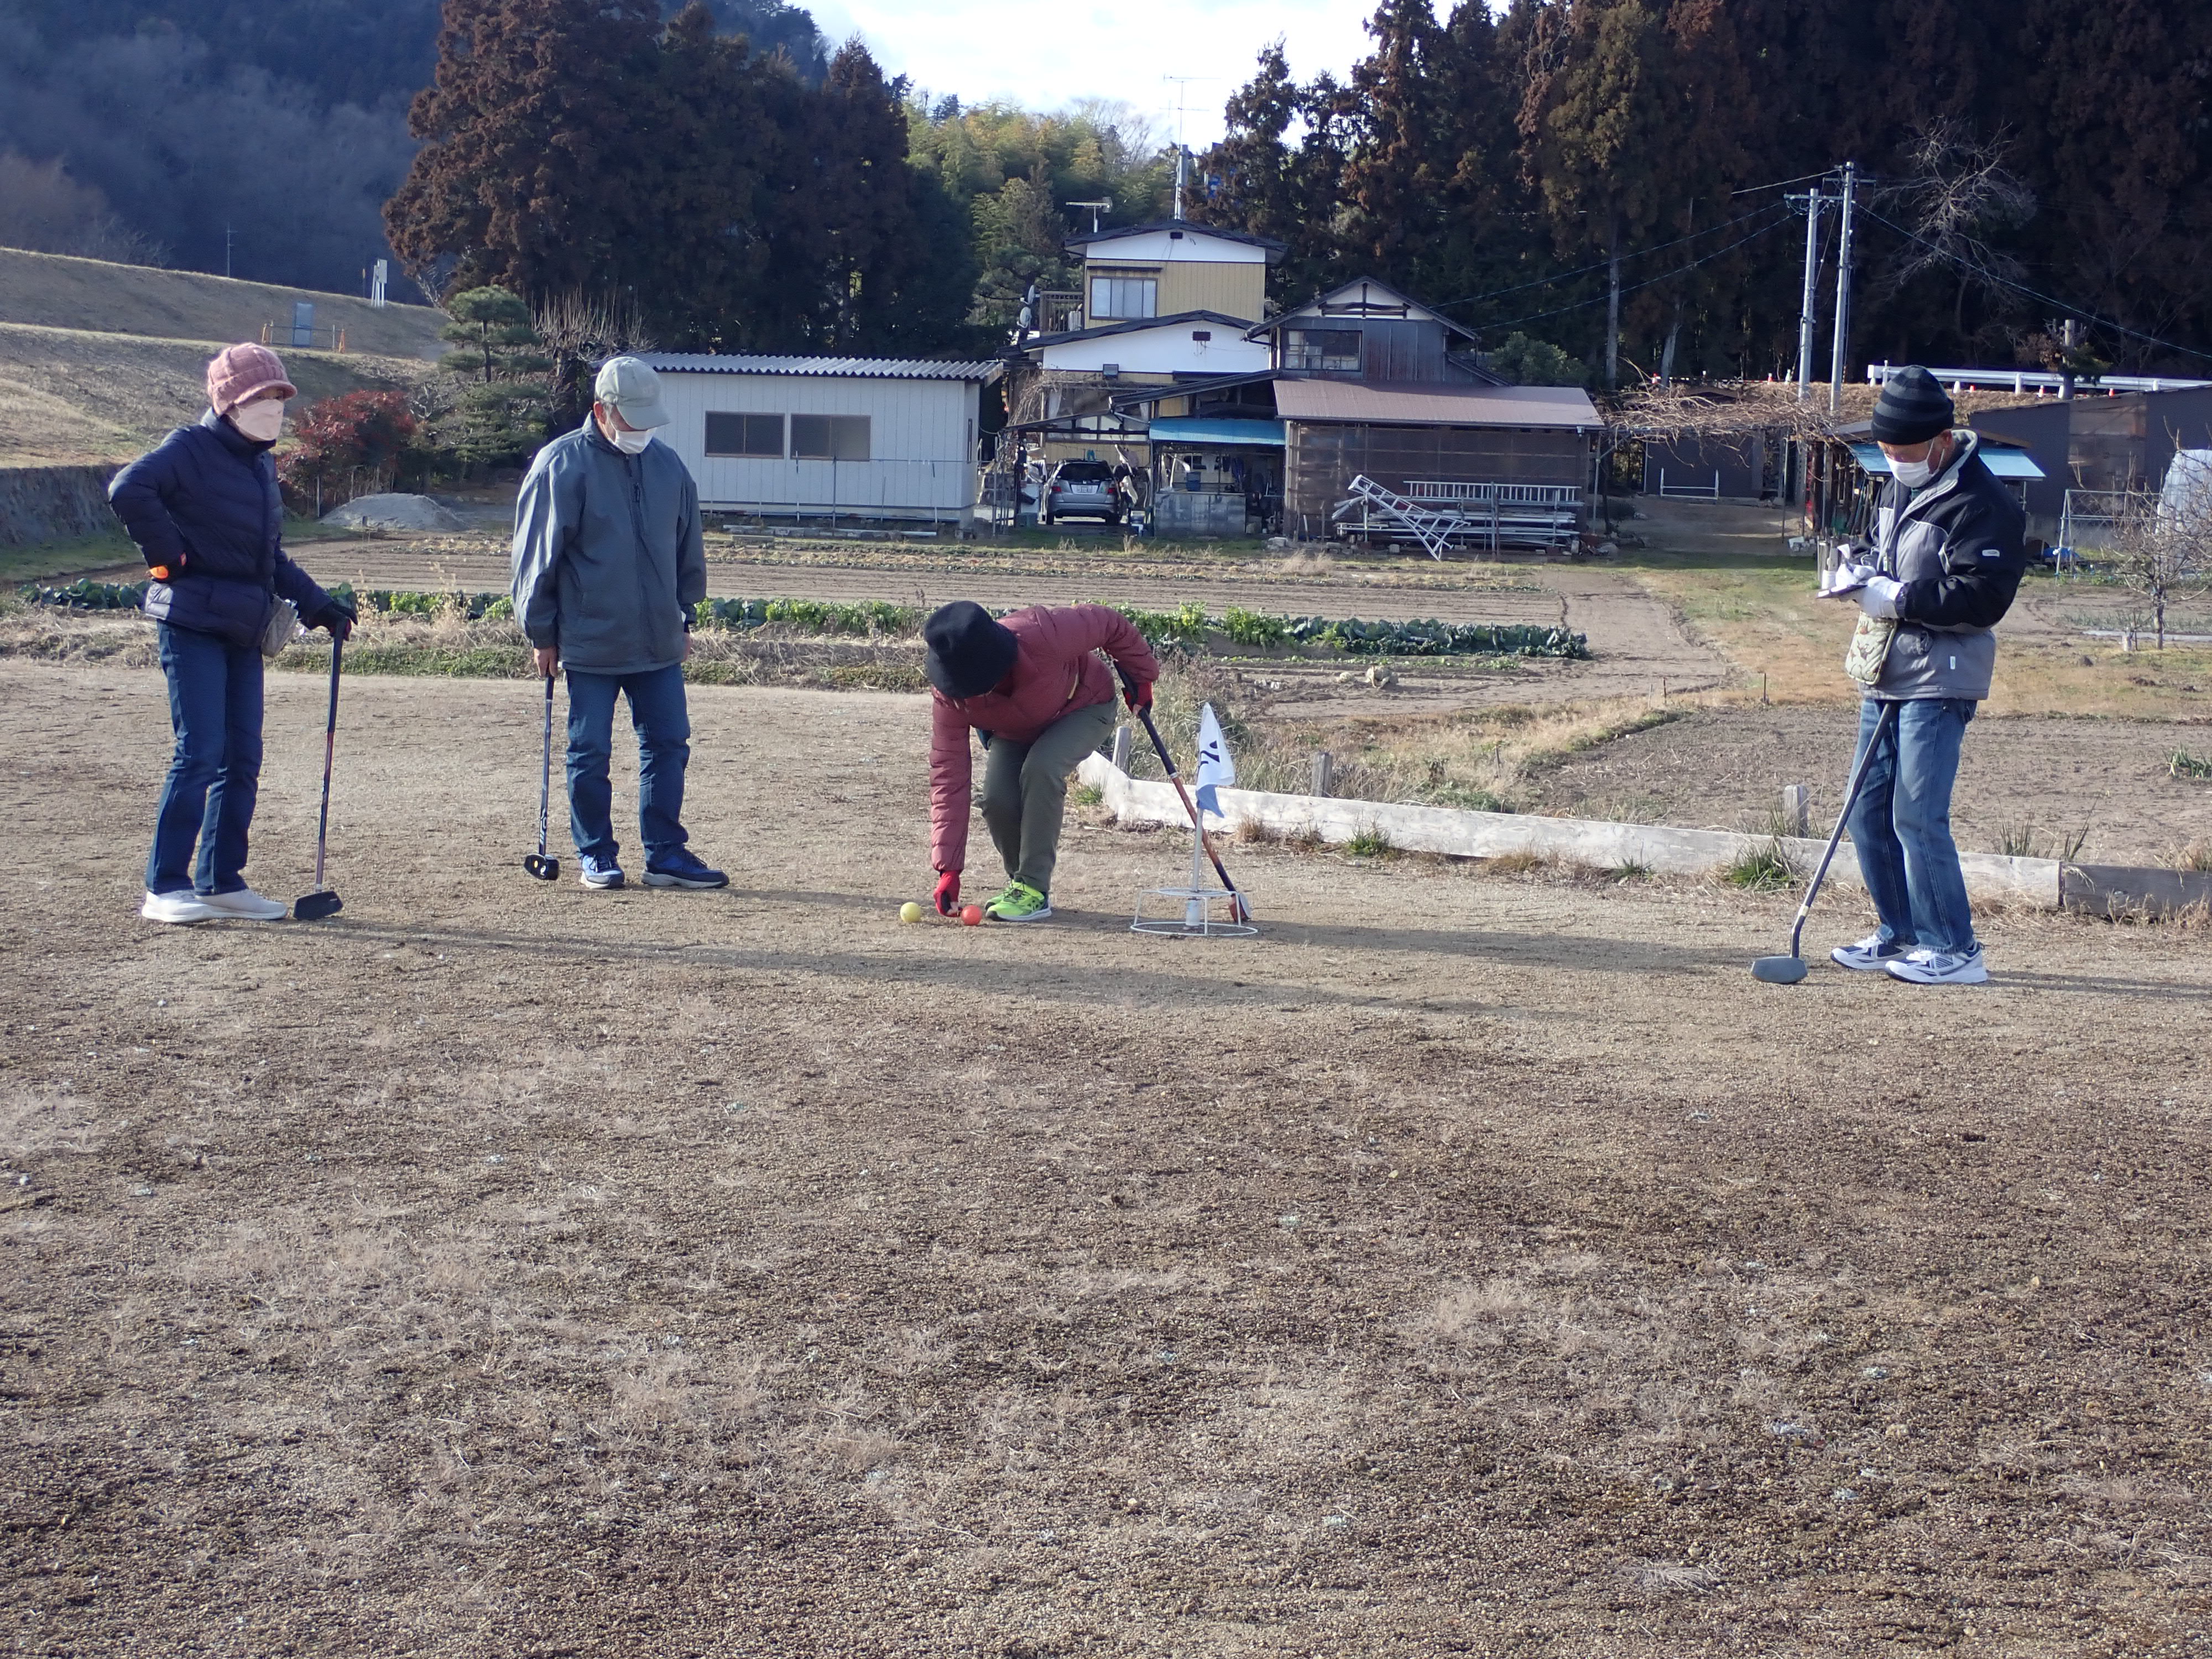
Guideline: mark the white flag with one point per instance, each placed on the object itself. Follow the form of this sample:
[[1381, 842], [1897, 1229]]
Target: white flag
[[1215, 768]]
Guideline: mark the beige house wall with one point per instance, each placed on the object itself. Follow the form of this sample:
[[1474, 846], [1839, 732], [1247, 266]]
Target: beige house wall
[[1239, 290]]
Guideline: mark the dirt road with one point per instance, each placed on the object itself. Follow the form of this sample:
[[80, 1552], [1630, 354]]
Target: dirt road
[[1470, 1264]]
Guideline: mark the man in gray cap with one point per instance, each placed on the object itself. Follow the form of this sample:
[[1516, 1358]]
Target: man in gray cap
[[1948, 553], [609, 566]]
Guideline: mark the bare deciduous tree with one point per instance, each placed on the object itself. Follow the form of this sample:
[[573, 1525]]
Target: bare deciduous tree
[[2161, 545]]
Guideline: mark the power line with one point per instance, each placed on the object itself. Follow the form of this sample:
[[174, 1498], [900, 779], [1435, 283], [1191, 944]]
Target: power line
[[2050, 300], [1584, 271], [1802, 179], [1664, 276]]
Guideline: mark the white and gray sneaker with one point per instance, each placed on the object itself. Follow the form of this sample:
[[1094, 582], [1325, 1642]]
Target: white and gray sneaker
[[182, 906], [246, 904], [1942, 968], [1870, 955]]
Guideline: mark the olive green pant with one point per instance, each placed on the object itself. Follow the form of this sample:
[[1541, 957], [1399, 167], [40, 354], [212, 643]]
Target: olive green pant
[[1025, 790]]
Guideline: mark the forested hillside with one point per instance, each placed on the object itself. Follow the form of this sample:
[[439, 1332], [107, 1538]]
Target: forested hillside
[[266, 133], [2024, 158], [719, 177]]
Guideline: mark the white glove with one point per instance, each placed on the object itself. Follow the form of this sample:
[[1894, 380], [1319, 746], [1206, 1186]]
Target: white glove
[[1846, 578], [1879, 597]]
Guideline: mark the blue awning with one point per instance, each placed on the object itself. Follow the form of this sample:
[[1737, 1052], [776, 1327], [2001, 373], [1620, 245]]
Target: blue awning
[[1189, 431], [2002, 463]]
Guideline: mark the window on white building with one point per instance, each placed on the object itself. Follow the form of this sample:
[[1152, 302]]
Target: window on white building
[[751, 437], [829, 437]]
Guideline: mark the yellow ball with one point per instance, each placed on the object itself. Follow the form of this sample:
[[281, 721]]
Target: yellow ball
[[909, 911]]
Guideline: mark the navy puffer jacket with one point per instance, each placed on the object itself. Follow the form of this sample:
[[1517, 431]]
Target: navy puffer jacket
[[205, 505]]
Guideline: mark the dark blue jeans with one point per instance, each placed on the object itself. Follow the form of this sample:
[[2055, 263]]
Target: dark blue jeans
[[664, 750], [215, 776], [1902, 824]]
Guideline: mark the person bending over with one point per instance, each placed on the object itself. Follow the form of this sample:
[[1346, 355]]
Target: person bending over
[[1034, 687]]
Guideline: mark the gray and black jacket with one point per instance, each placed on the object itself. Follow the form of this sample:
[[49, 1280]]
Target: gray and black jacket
[[608, 557], [1957, 545]]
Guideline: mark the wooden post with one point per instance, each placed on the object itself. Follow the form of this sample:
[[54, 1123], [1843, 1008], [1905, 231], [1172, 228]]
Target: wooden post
[[1797, 809], [1324, 772], [1121, 754]]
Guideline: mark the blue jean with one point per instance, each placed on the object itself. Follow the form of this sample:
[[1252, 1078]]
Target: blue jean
[[664, 750], [1901, 823], [215, 775]]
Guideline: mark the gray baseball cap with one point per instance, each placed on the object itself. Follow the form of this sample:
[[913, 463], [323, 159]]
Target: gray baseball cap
[[629, 385]]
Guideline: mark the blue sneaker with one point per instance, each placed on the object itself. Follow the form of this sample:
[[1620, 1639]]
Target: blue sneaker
[[598, 872], [681, 868]]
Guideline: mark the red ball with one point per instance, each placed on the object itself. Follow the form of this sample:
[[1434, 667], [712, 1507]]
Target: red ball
[[971, 915]]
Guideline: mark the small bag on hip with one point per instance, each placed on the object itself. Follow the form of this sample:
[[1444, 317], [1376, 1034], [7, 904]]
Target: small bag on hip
[[281, 628], [1870, 649]]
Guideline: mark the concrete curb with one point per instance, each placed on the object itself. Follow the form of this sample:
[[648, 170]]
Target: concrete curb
[[1577, 841]]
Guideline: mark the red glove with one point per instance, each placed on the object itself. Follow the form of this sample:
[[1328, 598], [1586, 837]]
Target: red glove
[[948, 892], [1140, 694]]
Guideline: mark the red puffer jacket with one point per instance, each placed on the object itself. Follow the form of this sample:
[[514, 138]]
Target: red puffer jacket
[[1056, 672]]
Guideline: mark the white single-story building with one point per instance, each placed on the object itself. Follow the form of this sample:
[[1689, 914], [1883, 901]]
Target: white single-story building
[[826, 437]]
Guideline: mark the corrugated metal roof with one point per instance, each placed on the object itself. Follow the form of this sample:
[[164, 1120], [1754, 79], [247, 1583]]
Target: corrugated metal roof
[[1556, 406], [1201, 429], [2003, 462], [848, 368]]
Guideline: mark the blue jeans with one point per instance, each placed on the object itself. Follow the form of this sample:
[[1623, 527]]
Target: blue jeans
[[1901, 823], [215, 776], [664, 750]]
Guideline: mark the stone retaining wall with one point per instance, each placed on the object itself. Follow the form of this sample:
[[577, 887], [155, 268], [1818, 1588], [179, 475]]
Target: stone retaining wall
[[53, 503]]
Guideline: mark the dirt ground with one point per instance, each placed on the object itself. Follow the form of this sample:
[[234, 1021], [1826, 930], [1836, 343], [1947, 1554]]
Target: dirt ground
[[1470, 1264], [2045, 780]]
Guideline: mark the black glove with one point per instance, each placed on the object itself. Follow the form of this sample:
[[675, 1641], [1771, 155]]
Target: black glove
[[338, 617]]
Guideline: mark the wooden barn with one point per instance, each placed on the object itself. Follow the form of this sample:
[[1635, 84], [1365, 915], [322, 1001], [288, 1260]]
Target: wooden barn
[[1428, 442]]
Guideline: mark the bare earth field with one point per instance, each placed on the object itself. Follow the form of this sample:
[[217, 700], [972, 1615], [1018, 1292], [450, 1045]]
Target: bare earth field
[[1472, 1264]]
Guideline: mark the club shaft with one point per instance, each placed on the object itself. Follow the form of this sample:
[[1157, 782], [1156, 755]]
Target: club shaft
[[545, 771], [330, 753], [1882, 724]]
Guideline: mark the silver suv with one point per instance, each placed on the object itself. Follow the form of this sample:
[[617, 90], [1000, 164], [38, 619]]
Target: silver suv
[[1082, 490]]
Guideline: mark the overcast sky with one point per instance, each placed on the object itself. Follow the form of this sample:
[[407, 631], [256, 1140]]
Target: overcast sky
[[1047, 56]]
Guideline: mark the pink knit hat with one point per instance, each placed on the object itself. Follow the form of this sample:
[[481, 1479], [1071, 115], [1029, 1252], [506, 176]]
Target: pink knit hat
[[236, 373]]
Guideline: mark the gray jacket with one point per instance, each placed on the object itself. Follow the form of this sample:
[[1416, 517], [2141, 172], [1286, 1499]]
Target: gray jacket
[[609, 560], [1957, 543]]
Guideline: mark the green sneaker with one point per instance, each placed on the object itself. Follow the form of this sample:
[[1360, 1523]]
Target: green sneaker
[[1020, 903]]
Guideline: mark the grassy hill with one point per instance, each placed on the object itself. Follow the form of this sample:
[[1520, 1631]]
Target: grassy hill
[[71, 396], [47, 290]]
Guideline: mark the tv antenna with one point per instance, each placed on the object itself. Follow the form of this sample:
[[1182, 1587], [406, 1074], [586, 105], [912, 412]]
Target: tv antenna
[[1182, 84], [1097, 208]]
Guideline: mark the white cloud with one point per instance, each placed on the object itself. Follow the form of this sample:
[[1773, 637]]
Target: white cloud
[[1045, 57]]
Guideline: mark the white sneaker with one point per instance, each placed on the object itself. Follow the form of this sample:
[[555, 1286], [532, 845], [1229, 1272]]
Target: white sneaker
[[245, 903], [180, 907], [1942, 968], [1870, 955]]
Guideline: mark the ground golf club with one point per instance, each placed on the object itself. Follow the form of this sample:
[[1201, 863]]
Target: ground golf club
[[545, 868], [313, 907], [1242, 910], [1788, 971]]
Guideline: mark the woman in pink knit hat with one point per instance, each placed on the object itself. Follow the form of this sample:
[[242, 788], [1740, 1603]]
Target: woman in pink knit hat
[[203, 508]]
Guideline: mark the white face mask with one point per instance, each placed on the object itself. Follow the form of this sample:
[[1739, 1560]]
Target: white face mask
[[263, 421], [1911, 474], [631, 443]]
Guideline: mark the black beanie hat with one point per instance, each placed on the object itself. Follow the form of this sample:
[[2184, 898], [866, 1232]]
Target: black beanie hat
[[968, 653], [1913, 407]]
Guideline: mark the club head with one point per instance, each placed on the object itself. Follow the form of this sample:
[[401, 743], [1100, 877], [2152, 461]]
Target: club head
[[539, 866], [316, 906], [1779, 970]]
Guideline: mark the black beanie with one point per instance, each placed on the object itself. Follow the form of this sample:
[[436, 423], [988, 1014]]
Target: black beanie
[[1913, 407], [968, 653]]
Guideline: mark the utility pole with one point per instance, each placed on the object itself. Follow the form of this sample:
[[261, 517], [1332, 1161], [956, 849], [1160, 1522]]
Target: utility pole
[[1807, 318], [1613, 307], [1843, 291], [2066, 368]]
